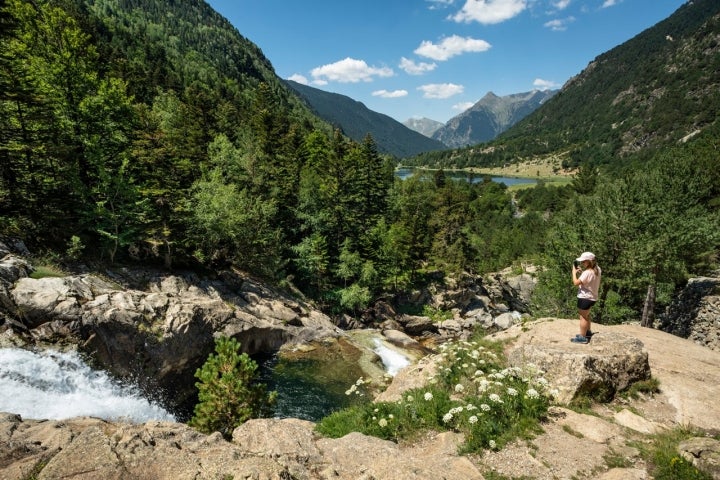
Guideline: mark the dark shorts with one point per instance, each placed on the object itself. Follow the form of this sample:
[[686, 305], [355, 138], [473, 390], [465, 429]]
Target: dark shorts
[[585, 304]]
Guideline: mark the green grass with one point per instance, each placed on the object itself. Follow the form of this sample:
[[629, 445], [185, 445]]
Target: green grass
[[474, 393], [43, 271], [650, 386], [664, 461]]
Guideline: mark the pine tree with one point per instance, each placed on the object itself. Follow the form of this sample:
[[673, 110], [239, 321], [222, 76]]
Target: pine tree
[[227, 391]]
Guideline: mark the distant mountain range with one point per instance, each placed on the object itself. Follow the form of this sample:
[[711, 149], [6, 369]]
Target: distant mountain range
[[483, 121], [426, 126], [356, 121], [489, 117]]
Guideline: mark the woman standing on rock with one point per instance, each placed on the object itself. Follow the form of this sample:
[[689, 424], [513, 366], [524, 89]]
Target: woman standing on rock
[[588, 283]]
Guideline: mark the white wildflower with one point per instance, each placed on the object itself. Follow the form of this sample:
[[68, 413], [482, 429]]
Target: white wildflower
[[410, 398], [447, 417], [473, 419], [494, 397], [492, 444], [532, 393], [383, 423], [485, 407], [459, 388], [428, 396], [512, 392]]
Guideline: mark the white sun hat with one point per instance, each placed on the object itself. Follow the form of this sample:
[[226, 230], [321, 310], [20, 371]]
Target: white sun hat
[[586, 256]]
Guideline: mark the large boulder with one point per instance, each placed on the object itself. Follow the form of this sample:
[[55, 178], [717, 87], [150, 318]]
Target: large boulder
[[610, 363]]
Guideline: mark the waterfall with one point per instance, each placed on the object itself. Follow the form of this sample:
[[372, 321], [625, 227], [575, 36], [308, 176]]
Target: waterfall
[[393, 360], [58, 385]]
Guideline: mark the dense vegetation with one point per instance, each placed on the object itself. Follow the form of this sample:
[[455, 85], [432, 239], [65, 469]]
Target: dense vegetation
[[356, 121], [143, 131]]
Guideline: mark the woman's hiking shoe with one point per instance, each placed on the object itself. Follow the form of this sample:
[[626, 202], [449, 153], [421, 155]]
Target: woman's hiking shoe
[[580, 339]]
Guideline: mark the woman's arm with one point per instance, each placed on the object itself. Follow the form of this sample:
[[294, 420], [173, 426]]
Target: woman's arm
[[575, 279]]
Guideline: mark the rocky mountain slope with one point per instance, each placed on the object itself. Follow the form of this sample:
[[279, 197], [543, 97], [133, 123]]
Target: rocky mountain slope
[[426, 126], [489, 117]]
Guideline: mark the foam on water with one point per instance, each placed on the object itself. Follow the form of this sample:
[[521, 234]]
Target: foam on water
[[55, 385]]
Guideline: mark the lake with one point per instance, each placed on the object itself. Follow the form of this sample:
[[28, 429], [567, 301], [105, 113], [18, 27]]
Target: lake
[[404, 173]]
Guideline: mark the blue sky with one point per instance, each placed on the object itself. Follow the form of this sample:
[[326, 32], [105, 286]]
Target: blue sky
[[435, 58]]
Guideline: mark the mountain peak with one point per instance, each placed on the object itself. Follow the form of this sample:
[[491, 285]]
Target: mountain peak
[[489, 117]]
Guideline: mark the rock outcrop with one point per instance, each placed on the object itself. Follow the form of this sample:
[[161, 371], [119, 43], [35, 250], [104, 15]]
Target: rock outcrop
[[268, 449], [158, 335], [695, 312], [572, 444], [610, 363]]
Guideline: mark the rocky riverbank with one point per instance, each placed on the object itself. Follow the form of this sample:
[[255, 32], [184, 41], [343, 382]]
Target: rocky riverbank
[[573, 445], [160, 327]]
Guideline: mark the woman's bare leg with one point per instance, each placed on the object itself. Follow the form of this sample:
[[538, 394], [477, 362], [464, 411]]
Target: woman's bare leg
[[584, 322]]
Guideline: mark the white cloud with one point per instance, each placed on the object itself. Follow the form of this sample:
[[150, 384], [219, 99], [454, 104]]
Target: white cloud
[[296, 77], [412, 68], [559, 24], [441, 90], [451, 46], [489, 11], [544, 84], [462, 106], [387, 94], [561, 4], [349, 70], [610, 3]]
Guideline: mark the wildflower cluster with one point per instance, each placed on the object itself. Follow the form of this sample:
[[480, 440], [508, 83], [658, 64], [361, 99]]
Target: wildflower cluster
[[473, 393], [493, 402]]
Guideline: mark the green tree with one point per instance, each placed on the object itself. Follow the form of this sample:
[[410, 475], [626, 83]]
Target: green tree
[[228, 391], [313, 260], [119, 210], [230, 224], [585, 180]]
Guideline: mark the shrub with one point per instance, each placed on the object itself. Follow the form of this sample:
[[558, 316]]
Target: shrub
[[228, 393]]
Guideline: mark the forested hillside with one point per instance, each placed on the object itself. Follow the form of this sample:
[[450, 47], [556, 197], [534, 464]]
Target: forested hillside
[[657, 88], [153, 132], [356, 121]]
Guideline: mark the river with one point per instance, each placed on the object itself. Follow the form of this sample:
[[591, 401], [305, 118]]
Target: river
[[49, 384]]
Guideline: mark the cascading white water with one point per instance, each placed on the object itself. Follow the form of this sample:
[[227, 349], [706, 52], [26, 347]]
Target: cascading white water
[[393, 360], [55, 385]]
